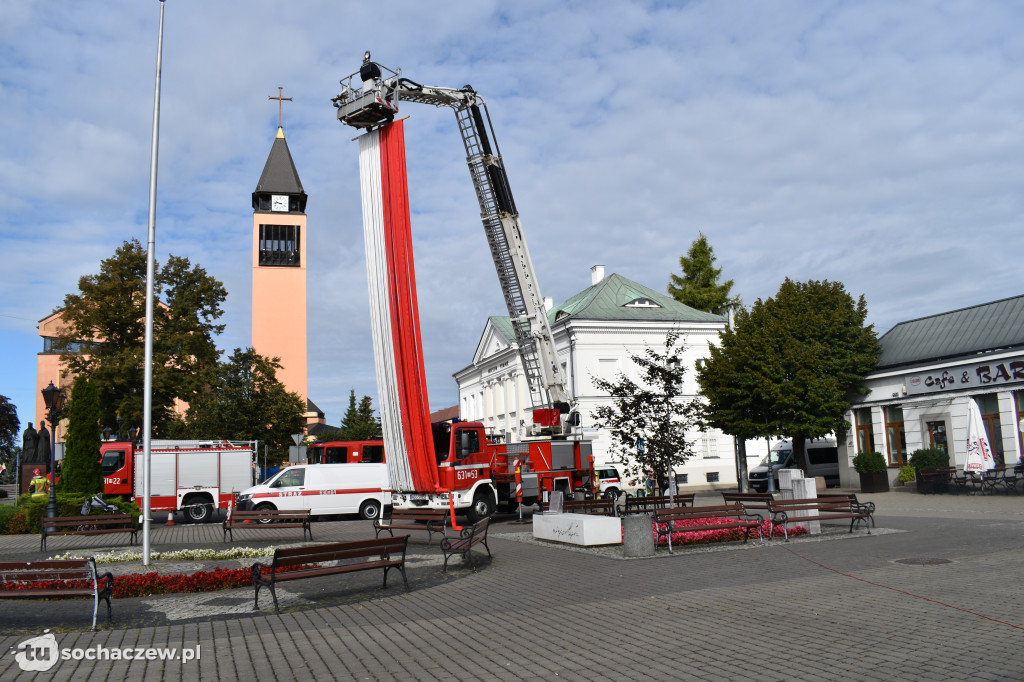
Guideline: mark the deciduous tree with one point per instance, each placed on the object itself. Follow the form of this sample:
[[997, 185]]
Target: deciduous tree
[[104, 333], [8, 432], [789, 366], [648, 420]]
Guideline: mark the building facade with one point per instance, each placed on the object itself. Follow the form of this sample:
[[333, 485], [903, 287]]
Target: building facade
[[596, 332], [928, 370]]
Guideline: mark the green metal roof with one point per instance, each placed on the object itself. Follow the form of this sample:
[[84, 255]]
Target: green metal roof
[[969, 331], [609, 300]]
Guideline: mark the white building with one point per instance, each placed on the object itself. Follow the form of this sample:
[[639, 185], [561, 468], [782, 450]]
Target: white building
[[596, 332], [927, 371]]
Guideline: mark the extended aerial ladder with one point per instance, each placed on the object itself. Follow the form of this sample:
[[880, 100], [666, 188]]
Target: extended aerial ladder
[[369, 99]]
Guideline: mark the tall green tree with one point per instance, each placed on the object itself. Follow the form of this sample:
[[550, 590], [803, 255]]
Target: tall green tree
[[359, 422], [648, 420], [8, 432], [698, 287], [104, 333], [244, 400], [790, 365], [81, 471]]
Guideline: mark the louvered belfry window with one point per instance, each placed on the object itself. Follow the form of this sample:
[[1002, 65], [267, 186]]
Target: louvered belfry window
[[279, 245]]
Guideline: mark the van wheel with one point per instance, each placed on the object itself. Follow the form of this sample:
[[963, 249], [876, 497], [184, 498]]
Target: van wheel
[[611, 494], [198, 512], [482, 507], [264, 506], [369, 509]]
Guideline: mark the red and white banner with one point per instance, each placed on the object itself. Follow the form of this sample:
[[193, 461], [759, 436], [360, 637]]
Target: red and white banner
[[394, 312]]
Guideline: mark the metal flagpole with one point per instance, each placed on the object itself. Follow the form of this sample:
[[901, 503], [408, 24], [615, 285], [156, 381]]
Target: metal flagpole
[[147, 405]]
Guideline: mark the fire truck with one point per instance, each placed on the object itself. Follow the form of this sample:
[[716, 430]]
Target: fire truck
[[475, 473], [345, 452], [194, 476]]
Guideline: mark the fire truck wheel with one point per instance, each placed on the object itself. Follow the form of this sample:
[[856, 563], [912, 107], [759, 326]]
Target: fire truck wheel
[[482, 507], [199, 513], [369, 509]]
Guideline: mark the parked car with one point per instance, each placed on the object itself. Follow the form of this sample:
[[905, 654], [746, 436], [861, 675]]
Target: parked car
[[822, 453]]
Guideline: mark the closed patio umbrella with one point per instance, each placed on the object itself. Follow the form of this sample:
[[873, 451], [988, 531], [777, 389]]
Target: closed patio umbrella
[[979, 450]]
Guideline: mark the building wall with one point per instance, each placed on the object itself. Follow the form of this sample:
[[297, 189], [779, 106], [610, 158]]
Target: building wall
[[1001, 397], [493, 390]]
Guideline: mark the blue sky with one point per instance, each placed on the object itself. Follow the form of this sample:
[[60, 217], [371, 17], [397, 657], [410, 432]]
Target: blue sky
[[878, 144]]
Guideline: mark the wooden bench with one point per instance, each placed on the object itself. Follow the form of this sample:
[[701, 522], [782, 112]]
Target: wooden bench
[[430, 520], [734, 515], [602, 507], [50, 578], [308, 561], [96, 524], [637, 505], [267, 518], [468, 537], [749, 500], [819, 509]]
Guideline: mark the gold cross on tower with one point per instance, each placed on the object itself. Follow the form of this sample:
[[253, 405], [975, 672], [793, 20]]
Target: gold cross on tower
[[280, 101]]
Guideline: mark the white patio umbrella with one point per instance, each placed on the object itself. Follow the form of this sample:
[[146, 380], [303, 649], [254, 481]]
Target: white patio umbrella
[[979, 450]]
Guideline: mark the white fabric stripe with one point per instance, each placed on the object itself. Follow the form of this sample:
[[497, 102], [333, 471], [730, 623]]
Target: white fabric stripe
[[380, 312]]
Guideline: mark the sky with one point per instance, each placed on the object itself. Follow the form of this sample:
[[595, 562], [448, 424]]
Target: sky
[[877, 144]]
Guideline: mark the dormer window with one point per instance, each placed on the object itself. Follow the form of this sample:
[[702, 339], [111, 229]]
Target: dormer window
[[561, 314], [642, 303]]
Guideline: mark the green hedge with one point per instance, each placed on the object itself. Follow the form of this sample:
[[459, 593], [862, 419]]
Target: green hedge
[[869, 462], [927, 458]]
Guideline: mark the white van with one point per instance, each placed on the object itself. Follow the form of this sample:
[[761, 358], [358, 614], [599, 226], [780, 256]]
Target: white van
[[362, 489], [822, 453]]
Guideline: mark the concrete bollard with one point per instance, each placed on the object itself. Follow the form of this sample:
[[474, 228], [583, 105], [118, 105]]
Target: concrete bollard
[[638, 535], [805, 489], [786, 477]]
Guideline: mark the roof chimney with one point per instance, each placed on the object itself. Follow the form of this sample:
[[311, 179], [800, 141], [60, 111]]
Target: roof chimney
[[596, 274], [549, 303]]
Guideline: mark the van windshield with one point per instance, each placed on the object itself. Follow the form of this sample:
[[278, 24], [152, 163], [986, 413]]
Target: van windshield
[[776, 457]]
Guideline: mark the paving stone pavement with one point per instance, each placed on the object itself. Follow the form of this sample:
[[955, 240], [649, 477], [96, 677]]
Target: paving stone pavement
[[934, 594]]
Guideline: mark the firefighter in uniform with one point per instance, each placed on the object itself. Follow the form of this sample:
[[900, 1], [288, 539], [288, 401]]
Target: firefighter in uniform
[[38, 486]]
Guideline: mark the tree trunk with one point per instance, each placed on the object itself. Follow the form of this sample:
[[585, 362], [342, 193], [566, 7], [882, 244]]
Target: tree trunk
[[800, 453]]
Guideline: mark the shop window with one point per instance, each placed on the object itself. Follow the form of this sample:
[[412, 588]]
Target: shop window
[[895, 436], [1018, 399], [865, 433]]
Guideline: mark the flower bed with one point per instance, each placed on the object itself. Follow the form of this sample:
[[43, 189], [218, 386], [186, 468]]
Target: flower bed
[[177, 555], [146, 584], [703, 537]]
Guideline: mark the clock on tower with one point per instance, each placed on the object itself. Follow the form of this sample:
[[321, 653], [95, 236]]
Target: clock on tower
[[279, 202]]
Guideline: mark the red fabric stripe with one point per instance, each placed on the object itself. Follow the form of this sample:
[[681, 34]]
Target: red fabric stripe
[[408, 348]]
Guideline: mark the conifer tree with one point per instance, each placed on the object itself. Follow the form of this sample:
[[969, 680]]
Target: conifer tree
[[698, 287], [80, 472]]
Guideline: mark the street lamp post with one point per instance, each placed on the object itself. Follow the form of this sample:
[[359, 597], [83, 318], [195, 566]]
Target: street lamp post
[[53, 398]]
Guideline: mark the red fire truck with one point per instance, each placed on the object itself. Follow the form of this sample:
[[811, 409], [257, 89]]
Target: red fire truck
[[194, 476], [345, 452], [474, 473]]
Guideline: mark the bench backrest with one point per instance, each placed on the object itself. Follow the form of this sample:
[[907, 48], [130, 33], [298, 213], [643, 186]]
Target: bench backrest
[[758, 500], [340, 551], [236, 514], [655, 501], [420, 514], [591, 506], [837, 503], [91, 520], [716, 511], [47, 569]]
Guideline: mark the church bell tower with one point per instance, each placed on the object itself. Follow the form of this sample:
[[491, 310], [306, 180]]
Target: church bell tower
[[279, 264]]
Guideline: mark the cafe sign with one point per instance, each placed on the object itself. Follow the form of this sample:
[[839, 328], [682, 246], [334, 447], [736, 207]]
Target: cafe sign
[[963, 377]]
